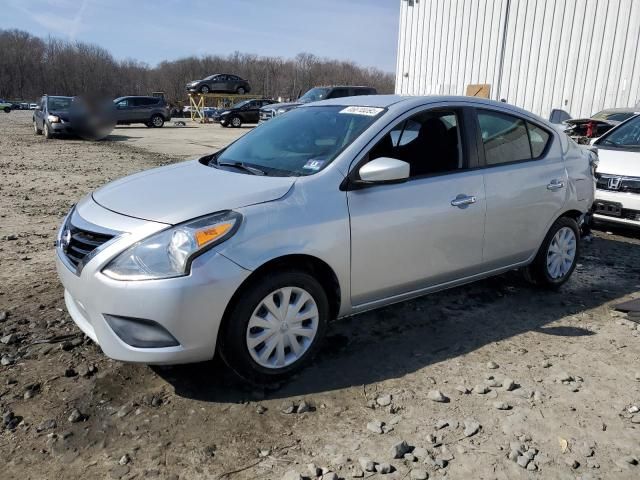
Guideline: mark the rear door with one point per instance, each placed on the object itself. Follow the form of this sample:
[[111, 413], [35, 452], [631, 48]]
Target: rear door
[[525, 181]]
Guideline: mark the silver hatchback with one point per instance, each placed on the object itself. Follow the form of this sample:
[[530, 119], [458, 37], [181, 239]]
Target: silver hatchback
[[335, 208]]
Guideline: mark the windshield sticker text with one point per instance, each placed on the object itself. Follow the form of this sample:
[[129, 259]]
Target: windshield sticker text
[[368, 111], [313, 164]]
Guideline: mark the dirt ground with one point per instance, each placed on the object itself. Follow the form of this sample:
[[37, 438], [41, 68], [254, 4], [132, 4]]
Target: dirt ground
[[69, 412]]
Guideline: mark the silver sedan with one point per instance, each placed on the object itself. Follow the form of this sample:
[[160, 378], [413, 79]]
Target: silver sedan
[[332, 209]]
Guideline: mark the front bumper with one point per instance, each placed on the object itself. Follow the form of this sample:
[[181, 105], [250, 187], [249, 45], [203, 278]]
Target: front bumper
[[630, 202], [61, 127], [190, 307]]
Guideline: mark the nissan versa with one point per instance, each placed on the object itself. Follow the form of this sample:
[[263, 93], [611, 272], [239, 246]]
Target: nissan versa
[[338, 207]]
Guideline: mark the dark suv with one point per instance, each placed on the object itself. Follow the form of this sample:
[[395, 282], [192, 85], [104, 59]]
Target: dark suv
[[246, 111], [313, 95], [152, 111], [220, 82]]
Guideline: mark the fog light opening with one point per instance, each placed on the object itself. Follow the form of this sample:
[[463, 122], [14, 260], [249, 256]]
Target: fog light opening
[[140, 333]]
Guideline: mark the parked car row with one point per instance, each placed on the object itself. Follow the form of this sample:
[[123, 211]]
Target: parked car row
[[314, 95]]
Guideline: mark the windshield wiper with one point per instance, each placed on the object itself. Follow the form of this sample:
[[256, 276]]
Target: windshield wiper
[[242, 166]]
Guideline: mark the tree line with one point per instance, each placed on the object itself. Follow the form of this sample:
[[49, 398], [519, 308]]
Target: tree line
[[31, 66]]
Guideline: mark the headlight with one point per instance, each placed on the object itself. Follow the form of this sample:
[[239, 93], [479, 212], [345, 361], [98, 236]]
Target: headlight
[[53, 119], [169, 253]]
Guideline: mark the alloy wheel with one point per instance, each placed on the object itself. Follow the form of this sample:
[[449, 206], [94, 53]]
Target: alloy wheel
[[157, 121], [282, 328], [236, 122], [561, 253]]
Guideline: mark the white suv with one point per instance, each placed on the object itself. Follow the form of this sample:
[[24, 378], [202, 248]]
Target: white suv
[[618, 175]]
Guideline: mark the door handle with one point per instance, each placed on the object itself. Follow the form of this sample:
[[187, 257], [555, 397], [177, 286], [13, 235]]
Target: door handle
[[555, 185], [462, 201]]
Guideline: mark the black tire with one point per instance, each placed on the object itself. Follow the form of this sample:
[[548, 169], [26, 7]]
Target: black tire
[[205, 89], [7, 109], [538, 272], [157, 121], [235, 122], [232, 337], [37, 131], [241, 91], [47, 131]]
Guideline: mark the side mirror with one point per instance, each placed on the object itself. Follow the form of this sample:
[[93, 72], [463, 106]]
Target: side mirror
[[384, 170]]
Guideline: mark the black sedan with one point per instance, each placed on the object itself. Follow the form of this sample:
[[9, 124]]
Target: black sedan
[[220, 82], [247, 111]]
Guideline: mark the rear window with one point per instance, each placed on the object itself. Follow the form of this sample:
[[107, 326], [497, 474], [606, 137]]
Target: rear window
[[507, 138]]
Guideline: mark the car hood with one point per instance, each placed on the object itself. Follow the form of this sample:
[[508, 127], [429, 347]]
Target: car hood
[[276, 106], [177, 193], [619, 162]]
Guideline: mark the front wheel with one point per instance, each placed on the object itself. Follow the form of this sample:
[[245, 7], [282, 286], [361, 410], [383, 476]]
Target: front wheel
[[36, 130], [236, 122], [276, 326], [557, 258], [47, 131], [204, 89], [7, 109]]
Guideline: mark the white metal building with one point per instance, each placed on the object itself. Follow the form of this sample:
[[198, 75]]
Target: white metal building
[[577, 55]]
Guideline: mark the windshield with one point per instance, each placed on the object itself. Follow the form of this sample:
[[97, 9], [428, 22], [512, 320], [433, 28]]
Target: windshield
[[302, 142], [627, 135], [210, 77], [613, 116], [241, 104], [59, 103], [314, 95]]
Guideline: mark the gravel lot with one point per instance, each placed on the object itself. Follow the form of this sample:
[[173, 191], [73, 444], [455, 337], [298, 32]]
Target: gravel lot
[[492, 380]]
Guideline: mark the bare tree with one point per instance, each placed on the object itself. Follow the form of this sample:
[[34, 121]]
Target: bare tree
[[31, 66]]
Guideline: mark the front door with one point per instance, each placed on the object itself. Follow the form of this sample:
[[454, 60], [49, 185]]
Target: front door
[[428, 230]]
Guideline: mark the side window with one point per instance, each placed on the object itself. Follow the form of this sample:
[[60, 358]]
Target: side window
[[538, 138], [339, 93], [429, 142], [123, 103], [504, 137]]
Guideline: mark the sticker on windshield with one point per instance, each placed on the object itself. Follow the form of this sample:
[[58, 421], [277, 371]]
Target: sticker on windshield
[[368, 111], [313, 165]]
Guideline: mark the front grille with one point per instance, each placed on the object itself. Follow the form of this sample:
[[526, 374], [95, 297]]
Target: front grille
[[617, 183], [81, 243]]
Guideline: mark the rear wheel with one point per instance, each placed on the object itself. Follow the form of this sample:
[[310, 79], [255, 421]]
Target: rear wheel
[[157, 121], [241, 91], [276, 328], [557, 258]]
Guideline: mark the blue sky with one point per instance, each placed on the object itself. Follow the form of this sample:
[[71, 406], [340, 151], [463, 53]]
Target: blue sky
[[365, 31]]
